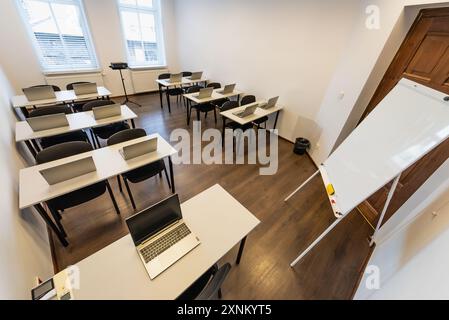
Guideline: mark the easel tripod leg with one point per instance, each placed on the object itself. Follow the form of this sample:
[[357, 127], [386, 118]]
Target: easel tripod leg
[[302, 186]]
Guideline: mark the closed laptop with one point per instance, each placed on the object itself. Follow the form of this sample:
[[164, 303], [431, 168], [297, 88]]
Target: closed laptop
[[69, 170], [139, 149], [39, 93], [85, 88], [104, 112], [48, 122]]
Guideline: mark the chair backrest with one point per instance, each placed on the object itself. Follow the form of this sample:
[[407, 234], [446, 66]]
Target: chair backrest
[[164, 76], [228, 105], [194, 89], [45, 111], [62, 150], [126, 135], [214, 85], [186, 73], [70, 85], [210, 292], [97, 103], [248, 99], [55, 88]]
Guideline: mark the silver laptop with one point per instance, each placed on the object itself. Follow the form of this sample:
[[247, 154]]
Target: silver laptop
[[174, 78], [249, 110], [69, 170], [85, 88], [196, 76], [270, 104], [39, 93], [160, 235], [113, 110], [205, 93], [48, 122], [139, 149], [227, 89]]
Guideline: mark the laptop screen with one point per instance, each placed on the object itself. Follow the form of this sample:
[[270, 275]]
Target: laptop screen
[[153, 219]]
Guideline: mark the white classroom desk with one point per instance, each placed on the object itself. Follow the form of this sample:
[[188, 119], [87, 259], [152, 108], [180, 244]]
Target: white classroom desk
[[34, 190], [77, 121], [216, 95], [117, 273], [259, 113], [21, 101], [185, 81]]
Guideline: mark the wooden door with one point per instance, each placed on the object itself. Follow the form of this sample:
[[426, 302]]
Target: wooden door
[[423, 58]]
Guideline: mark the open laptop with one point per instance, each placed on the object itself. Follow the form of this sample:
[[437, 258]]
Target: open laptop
[[205, 93], [270, 104], [175, 78], [160, 235], [227, 89], [69, 170], [249, 110], [139, 149], [48, 122], [109, 111], [39, 93], [196, 76], [85, 88]]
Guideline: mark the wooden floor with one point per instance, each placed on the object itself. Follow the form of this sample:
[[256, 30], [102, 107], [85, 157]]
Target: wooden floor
[[330, 271]]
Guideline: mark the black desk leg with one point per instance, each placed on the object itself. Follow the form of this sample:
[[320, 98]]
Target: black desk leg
[[172, 176], [238, 99], [168, 102], [30, 147], [51, 224], [133, 124], [188, 112], [239, 255], [276, 120], [160, 96], [223, 132]]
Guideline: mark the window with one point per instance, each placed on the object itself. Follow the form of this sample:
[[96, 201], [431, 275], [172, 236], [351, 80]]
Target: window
[[60, 34], [142, 29]]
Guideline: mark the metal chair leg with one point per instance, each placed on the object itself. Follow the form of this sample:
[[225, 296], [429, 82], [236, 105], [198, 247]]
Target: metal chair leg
[[129, 193], [166, 176], [215, 115], [112, 197], [119, 184], [57, 220], [98, 141]]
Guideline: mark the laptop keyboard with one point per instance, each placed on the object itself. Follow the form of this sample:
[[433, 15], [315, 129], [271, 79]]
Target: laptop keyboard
[[157, 247]]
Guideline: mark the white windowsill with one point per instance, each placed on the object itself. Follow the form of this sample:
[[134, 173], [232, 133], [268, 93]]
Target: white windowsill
[[71, 72], [143, 68]]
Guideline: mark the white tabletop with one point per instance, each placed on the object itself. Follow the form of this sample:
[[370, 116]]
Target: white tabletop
[[215, 96], [117, 273], [61, 96], [259, 113], [77, 121], [185, 80], [33, 188]]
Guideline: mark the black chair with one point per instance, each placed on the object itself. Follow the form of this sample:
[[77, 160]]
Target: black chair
[[77, 197], [251, 99], [78, 106], [104, 132], [140, 174], [208, 286], [66, 137]]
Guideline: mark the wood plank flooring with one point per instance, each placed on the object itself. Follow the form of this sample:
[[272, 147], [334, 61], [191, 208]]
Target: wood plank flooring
[[330, 271]]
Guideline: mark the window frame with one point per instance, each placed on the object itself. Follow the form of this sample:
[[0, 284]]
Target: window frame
[[156, 11], [85, 27]]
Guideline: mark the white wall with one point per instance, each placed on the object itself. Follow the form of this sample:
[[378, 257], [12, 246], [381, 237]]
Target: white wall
[[22, 66], [412, 246], [24, 247], [286, 48], [360, 69]]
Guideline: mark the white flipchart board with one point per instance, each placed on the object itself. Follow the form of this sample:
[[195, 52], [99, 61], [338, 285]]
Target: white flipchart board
[[410, 122]]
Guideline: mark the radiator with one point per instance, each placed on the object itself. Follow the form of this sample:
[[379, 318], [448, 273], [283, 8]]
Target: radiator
[[145, 80], [63, 80]]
